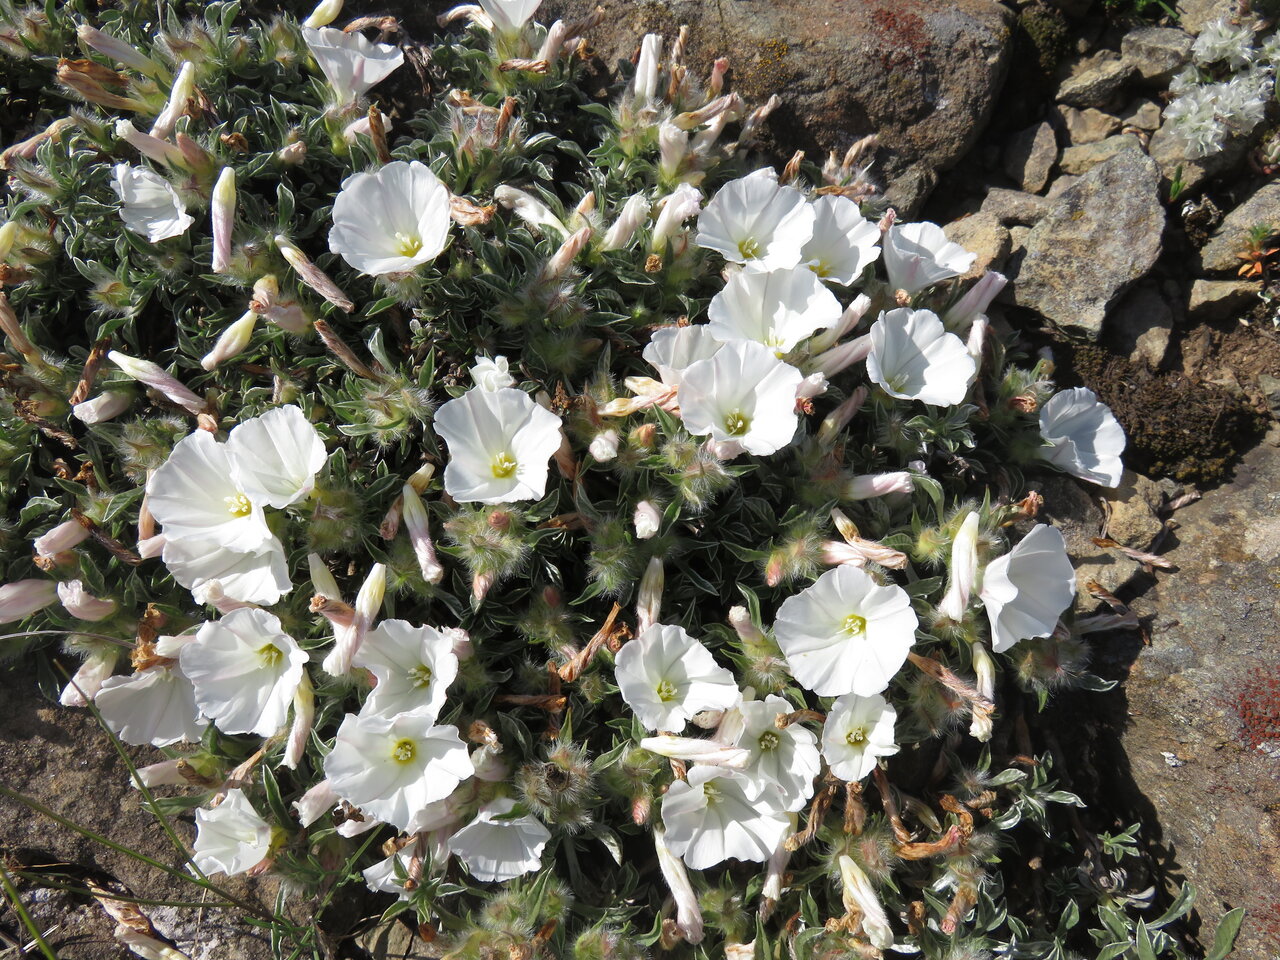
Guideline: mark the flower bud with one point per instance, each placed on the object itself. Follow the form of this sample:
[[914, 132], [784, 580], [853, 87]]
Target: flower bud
[[605, 446], [964, 569], [835, 422], [151, 547], [292, 154], [15, 334], [8, 233], [673, 145], [83, 605], [363, 127], [647, 519], [744, 627], [530, 209], [144, 371], [196, 157], [304, 713], [315, 803], [858, 894], [151, 147], [984, 669], [977, 342], [368, 603], [312, 275], [688, 916], [634, 213], [90, 81], [644, 85], [184, 87], [232, 343], [325, 13], [322, 582], [88, 680], [849, 320], [649, 597], [975, 302], [698, 749], [553, 44], [715, 83], [119, 51], [65, 536], [878, 485], [832, 361], [286, 314], [463, 649], [415, 521], [567, 253], [166, 773], [24, 597], [222, 214], [681, 204]]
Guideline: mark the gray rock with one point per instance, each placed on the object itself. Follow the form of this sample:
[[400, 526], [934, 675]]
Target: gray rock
[[1221, 299], [1096, 86], [1133, 511], [1013, 207], [1079, 517], [1156, 53], [1017, 249], [1170, 152], [1030, 156], [1084, 158], [1142, 114], [1086, 126], [1232, 236], [983, 234], [1103, 233], [1195, 15], [924, 79], [1140, 324], [1060, 186], [1270, 387]]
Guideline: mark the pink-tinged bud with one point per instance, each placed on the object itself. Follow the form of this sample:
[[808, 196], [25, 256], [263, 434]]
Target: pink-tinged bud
[[368, 603], [975, 301], [552, 46], [363, 128], [184, 88], [488, 763], [91, 81], [964, 569], [322, 582], [144, 371], [463, 649], [634, 213], [166, 773], [644, 84], [681, 204], [814, 385], [673, 146], [887, 221], [218, 599], [15, 334], [65, 536], [196, 157], [688, 915], [83, 605], [697, 749], [756, 119], [852, 316], [984, 669], [706, 139], [859, 895], [878, 485], [232, 343], [151, 147], [88, 680], [151, 547], [706, 113], [568, 251], [724, 449], [315, 803], [222, 215], [24, 597], [26, 149], [744, 627], [858, 552], [481, 584], [292, 154], [604, 447], [304, 714], [312, 275], [416, 523], [119, 51], [647, 519], [835, 422], [977, 343], [832, 361], [103, 407], [649, 596], [286, 314], [776, 870], [325, 13], [715, 83]]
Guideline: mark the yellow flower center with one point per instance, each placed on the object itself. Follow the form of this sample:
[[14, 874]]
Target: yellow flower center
[[403, 750], [769, 741], [854, 625], [749, 248], [238, 506], [270, 655], [666, 691], [856, 737], [420, 675], [503, 466], [736, 423], [712, 794], [821, 268], [408, 244]]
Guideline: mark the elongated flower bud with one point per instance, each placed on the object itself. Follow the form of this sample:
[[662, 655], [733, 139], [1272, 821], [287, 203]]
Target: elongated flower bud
[[649, 599], [91, 81], [984, 668], [103, 407], [153, 148], [222, 214], [184, 87], [232, 343], [833, 424], [744, 627], [312, 275], [292, 154], [322, 581], [151, 547], [64, 536], [315, 803], [977, 341], [368, 603], [285, 314], [878, 485], [849, 319], [673, 145], [416, 523], [530, 209], [775, 871], [88, 680], [196, 158], [325, 13], [706, 113], [119, 51], [681, 204], [604, 446], [858, 894], [166, 773], [832, 361], [24, 597], [975, 301], [695, 748], [26, 149], [715, 83], [553, 44], [8, 233], [83, 605], [964, 569], [304, 714], [144, 371], [634, 213], [644, 85], [688, 916], [567, 253], [15, 334]]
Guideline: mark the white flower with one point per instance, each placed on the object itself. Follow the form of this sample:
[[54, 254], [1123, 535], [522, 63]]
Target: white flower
[[392, 770], [858, 894], [913, 357], [755, 220], [717, 815], [350, 63], [672, 350], [1085, 438], [787, 757], [148, 204], [964, 569], [844, 242], [777, 308], [413, 667], [604, 445], [1224, 42], [492, 374], [845, 633], [156, 706], [688, 914], [209, 570], [231, 838], [245, 670], [500, 442], [509, 16], [193, 494], [743, 394], [64, 536], [666, 676], [647, 520], [495, 846], [93, 673], [275, 457], [858, 731], [677, 207], [105, 406], [1027, 589], [918, 255], [391, 221], [83, 605]]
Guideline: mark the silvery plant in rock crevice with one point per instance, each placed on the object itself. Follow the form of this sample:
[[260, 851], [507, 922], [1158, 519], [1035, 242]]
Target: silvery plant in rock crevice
[[531, 512]]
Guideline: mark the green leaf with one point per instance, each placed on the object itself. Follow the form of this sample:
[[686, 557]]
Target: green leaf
[[1225, 937], [1180, 907]]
